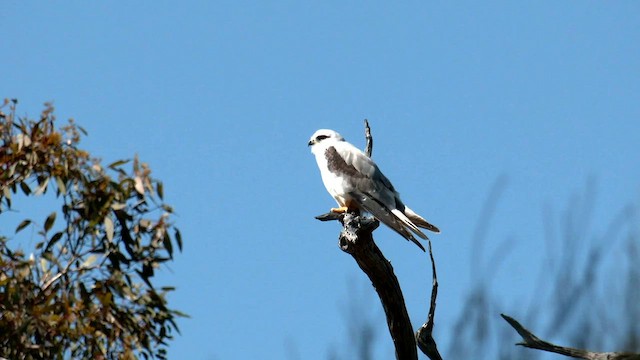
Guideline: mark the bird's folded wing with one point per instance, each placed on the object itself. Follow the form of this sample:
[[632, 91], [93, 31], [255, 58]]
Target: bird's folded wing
[[382, 213]]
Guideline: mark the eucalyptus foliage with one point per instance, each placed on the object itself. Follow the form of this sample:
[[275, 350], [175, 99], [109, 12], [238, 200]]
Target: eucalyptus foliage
[[86, 289]]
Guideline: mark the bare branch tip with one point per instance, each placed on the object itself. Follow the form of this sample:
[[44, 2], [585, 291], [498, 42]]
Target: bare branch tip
[[330, 216], [368, 137]]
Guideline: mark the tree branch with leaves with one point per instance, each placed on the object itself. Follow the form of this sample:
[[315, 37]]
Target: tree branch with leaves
[[86, 290]]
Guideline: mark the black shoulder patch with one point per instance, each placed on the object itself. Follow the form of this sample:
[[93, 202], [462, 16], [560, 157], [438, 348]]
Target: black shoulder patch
[[337, 165]]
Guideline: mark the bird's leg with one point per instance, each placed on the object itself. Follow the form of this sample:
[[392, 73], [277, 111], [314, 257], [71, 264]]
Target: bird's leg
[[340, 210], [346, 206]]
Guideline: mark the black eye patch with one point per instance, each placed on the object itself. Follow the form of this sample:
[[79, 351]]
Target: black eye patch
[[321, 137]]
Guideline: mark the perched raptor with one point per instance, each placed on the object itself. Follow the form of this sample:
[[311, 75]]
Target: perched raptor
[[356, 182]]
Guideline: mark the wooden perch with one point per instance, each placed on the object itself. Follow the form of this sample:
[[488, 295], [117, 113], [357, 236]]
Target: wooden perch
[[533, 342], [356, 239]]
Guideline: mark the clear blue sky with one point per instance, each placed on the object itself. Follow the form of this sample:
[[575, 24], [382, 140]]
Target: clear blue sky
[[220, 98]]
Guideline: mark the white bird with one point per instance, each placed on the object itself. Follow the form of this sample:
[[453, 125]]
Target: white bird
[[356, 182]]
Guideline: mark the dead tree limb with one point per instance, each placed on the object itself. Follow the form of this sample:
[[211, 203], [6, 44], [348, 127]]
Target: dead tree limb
[[356, 239], [533, 342]]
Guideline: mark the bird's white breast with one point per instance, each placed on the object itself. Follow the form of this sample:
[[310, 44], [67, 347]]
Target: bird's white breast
[[336, 185]]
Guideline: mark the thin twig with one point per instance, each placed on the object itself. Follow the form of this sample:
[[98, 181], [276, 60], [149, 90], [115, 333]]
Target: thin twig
[[424, 336]]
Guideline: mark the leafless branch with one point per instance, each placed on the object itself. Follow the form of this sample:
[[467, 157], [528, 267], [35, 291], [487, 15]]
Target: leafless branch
[[367, 134], [356, 239], [533, 342], [424, 336]]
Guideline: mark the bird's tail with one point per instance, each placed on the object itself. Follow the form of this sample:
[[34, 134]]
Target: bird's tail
[[394, 219], [419, 220], [408, 223]]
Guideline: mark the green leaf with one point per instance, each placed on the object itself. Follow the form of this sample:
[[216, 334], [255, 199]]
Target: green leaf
[[49, 222], [166, 241], [22, 271], [62, 188], [84, 294], [53, 240], [138, 185], [180, 313], [108, 227], [178, 239], [44, 265], [48, 255], [23, 225], [90, 260], [160, 190], [7, 192], [25, 188], [118, 206], [117, 164], [43, 187], [145, 224]]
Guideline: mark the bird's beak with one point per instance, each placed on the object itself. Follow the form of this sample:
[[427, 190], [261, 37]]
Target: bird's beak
[[311, 142]]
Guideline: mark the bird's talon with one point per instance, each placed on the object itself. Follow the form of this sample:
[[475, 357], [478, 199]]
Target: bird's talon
[[340, 210]]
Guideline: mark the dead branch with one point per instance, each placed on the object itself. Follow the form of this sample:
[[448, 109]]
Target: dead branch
[[533, 342], [367, 134], [424, 336], [356, 239]]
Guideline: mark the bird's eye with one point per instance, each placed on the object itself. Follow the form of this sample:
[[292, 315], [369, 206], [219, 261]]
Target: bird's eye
[[321, 137]]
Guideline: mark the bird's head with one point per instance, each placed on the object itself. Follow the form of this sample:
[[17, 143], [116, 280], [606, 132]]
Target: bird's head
[[324, 136]]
